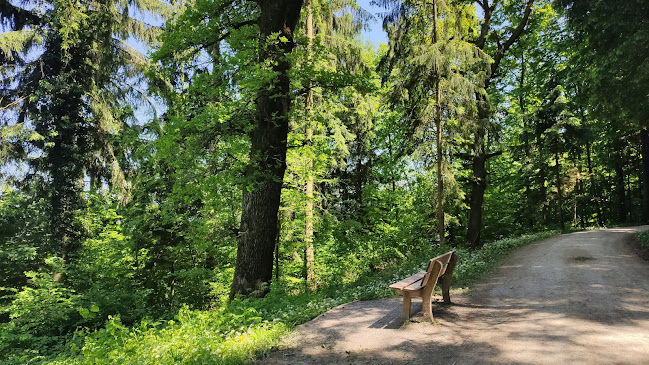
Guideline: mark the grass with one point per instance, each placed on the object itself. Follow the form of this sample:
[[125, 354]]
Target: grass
[[240, 330]]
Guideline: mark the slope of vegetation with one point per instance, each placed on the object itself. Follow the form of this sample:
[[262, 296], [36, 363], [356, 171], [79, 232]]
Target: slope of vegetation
[[184, 181], [235, 332]]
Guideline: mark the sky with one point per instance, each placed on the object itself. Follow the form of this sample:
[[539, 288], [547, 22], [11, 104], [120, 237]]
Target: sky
[[375, 34]]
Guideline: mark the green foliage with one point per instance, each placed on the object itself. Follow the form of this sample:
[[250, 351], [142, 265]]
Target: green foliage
[[41, 315], [120, 244], [241, 329], [23, 238], [643, 240], [192, 337], [104, 267]]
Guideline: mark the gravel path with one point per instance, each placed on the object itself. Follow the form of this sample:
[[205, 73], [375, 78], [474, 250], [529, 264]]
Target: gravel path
[[580, 298]]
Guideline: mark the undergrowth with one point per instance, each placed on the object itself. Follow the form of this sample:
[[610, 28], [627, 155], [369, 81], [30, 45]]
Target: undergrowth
[[642, 244], [642, 240], [242, 329]]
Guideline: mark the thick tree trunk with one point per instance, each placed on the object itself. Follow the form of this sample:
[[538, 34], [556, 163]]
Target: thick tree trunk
[[65, 164], [265, 173], [644, 145], [479, 185]]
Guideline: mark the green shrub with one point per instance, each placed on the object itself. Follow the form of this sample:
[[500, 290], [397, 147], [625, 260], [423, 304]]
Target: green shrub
[[41, 315]]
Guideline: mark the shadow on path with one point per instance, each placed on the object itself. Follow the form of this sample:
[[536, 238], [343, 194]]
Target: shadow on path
[[581, 298]]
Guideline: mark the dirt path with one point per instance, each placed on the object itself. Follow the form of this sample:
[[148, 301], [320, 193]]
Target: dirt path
[[581, 298]]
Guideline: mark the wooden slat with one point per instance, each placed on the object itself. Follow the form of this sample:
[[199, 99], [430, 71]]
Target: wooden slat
[[408, 282], [419, 283], [443, 259]]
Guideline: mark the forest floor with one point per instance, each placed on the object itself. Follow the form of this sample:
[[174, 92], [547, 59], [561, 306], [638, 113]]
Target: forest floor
[[580, 298]]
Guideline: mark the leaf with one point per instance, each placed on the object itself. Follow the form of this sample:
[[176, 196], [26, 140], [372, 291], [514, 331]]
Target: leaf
[[85, 313]]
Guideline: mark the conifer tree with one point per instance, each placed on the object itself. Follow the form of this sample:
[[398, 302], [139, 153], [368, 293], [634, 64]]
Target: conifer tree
[[66, 70], [330, 67], [437, 72]]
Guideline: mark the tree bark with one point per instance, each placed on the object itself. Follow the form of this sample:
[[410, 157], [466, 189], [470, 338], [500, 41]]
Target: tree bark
[[619, 204], [309, 255], [644, 148], [265, 172], [593, 184], [440, 150], [478, 185], [528, 218], [557, 172]]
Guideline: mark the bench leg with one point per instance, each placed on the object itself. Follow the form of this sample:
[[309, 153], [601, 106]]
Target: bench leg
[[446, 279], [406, 306], [427, 306], [446, 285]]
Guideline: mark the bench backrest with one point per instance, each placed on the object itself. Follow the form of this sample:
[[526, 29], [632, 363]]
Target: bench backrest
[[443, 262]]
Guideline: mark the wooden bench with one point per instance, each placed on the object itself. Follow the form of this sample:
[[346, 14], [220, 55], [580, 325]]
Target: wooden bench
[[422, 284]]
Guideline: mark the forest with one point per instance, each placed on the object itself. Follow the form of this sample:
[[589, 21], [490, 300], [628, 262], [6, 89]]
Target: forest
[[184, 181]]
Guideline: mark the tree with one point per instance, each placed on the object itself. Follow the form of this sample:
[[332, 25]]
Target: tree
[[430, 59], [258, 232], [500, 28], [228, 64], [309, 259], [65, 65], [616, 38]]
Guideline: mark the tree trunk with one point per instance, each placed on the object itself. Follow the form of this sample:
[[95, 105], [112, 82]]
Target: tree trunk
[[629, 199], [557, 171], [65, 169], [479, 179], [393, 177], [619, 207], [528, 218], [644, 147], [309, 256], [279, 229], [440, 150], [579, 209], [265, 172], [593, 186]]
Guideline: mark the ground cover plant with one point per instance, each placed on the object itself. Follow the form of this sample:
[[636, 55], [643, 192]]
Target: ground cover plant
[[642, 245], [242, 329]]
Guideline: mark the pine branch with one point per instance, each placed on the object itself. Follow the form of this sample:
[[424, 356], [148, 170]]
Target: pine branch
[[18, 41]]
